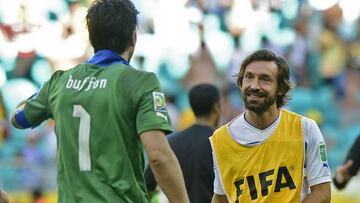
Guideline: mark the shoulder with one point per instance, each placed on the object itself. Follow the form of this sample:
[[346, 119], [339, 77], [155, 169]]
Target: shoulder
[[308, 123], [140, 73], [286, 112], [311, 131], [178, 140], [141, 78], [192, 132], [176, 135], [221, 128], [57, 74], [310, 128], [219, 131]]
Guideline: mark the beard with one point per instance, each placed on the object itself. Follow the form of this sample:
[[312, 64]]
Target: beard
[[261, 103]]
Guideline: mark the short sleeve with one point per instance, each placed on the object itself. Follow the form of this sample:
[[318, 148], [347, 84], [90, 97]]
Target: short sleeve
[[316, 163], [151, 106], [218, 189]]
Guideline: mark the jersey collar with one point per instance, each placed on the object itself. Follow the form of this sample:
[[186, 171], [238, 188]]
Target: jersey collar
[[106, 57]]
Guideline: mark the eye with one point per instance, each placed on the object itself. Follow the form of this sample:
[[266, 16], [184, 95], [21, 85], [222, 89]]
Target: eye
[[266, 79], [248, 76]]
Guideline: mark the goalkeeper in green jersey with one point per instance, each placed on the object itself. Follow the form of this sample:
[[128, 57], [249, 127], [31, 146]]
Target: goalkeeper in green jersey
[[106, 112]]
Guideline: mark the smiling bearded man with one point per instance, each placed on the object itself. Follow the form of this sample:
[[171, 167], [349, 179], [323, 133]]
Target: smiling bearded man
[[269, 154]]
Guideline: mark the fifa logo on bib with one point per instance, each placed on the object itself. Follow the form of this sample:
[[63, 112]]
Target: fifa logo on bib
[[283, 180]]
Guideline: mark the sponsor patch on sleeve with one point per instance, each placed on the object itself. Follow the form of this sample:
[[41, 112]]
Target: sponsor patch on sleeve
[[159, 102]]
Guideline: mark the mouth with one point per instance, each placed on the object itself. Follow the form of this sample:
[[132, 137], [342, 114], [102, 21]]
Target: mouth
[[254, 96], [253, 99]]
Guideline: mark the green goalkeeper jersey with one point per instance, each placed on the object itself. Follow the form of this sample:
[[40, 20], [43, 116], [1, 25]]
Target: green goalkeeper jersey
[[99, 114]]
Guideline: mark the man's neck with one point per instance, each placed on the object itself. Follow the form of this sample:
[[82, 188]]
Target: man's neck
[[205, 121], [125, 56], [264, 120]]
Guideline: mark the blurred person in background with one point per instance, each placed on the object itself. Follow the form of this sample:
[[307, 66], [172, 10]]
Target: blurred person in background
[[4, 198], [202, 66], [228, 108], [299, 51], [106, 112], [3, 122], [350, 168], [38, 196], [333, 51], [192, 147], [269, 153], [35, 159]]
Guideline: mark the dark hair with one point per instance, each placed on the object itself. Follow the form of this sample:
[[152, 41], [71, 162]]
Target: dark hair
[[283, 79], [111, 24], [202, 98]]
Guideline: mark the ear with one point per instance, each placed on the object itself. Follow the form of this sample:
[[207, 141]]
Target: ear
[[133, 38], [217, 108], [215, 114]]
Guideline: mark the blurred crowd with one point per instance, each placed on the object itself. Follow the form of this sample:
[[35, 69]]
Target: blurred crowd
[[185, 42]]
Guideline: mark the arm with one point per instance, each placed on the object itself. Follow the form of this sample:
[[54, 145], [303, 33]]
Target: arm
[[317, 170], [350, 168], [165, 166], [354, 155], [36, 108], [219, 194], [219, 199], [342, 175], [319, 194], [13, 121]]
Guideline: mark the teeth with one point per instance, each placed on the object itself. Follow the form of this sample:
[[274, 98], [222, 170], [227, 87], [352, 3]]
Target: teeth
[[257, 96]]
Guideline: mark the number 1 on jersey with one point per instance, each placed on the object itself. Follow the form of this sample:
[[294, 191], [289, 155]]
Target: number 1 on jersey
[[84, 135]]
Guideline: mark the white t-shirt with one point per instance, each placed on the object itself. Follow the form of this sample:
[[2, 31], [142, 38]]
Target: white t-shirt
[[316, 171]]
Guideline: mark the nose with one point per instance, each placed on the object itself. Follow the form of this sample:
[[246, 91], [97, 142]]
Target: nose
[[254, 85]]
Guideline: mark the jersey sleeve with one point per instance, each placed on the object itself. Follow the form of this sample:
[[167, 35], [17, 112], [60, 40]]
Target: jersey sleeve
[[317, 169], [151, 106], [36, 108], [218, 189]]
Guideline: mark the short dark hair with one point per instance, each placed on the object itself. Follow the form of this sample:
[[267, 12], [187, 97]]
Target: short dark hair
[[110, 24], [202, 98], [283, 79]]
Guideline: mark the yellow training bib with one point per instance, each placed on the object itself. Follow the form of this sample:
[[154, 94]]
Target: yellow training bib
[[270, 172]]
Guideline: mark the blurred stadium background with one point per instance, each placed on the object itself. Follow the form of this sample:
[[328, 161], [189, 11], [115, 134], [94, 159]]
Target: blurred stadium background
[[185, 42]]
